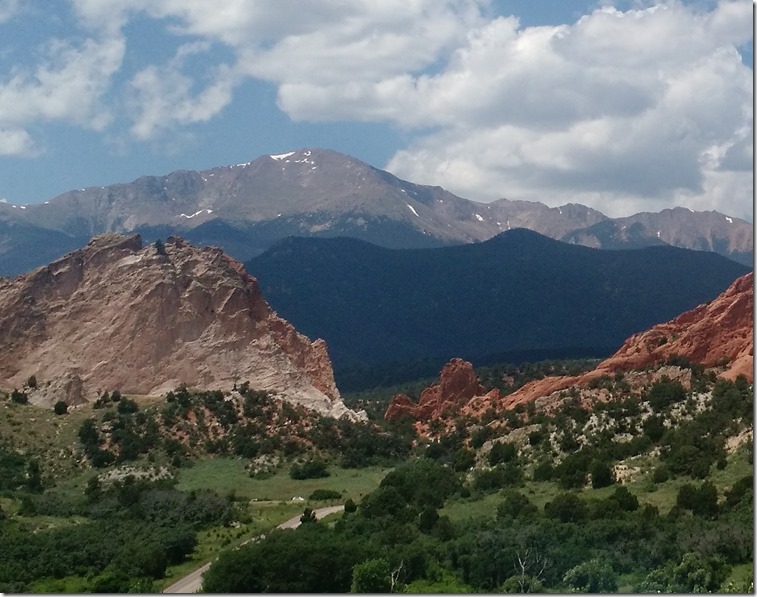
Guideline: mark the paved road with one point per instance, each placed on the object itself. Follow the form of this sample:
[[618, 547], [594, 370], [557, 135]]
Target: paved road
[[191, 583]]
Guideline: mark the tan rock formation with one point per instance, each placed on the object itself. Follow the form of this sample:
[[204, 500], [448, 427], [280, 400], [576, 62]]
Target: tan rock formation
[[118, 315]]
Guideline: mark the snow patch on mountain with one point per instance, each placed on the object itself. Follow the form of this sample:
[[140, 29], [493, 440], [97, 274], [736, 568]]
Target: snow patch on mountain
[[282, 156], [197, 213], [413, 210]]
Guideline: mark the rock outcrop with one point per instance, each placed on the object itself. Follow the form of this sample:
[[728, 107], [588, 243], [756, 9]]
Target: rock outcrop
[[143, 320], [457, 386], [718, 332]]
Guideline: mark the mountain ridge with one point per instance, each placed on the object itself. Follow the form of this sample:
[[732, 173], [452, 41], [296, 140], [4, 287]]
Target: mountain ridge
[[518, 291], [323, 193]]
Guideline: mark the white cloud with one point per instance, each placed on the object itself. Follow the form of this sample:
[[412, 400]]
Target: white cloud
[[66, 86], [16, 142], [163, 98], [622, 111]]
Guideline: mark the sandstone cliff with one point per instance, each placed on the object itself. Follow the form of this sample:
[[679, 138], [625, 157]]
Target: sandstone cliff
[[117, 315]]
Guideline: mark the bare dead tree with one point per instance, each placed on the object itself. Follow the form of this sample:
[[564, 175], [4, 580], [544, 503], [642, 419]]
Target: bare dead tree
[[530, 563], [395, 575]]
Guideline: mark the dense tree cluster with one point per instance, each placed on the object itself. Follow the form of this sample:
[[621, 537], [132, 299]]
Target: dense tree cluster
[[132, 530]]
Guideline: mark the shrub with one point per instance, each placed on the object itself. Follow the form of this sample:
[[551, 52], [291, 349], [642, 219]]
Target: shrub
[[543, 472], [502, 452], [19, 397], [567, 507], [325, 494], [601, 474], [664, 393], [60, 408], [516, 505], [312, 469], [126, 405]]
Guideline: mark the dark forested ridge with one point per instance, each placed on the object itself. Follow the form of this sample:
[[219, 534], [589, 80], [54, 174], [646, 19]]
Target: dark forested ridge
[[519, 291]]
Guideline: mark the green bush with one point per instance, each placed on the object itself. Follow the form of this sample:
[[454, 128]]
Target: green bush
[[324, 494], [312, 469], [665, 393]]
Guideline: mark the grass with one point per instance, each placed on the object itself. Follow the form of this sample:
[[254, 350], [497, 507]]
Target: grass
[[226, 475], [269, 502]]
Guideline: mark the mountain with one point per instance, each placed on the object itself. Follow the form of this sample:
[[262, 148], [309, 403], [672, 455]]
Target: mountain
[[679, 227], [245, 208], [519, 291], [145, 319]]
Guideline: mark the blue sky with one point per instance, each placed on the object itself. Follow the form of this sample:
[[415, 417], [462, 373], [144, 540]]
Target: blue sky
[[625, 106]]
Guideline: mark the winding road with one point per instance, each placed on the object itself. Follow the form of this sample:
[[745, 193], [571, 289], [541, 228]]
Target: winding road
[[192, 582]]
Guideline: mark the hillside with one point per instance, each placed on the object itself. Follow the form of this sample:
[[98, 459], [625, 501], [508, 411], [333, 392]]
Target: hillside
[[519, 291]]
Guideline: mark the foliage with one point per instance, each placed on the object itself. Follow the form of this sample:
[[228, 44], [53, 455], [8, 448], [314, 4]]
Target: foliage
[[594, 576], [325, 494], [371, 576], [288, 562], [665, 393], [60, 408], [19, 397], [311, 469]]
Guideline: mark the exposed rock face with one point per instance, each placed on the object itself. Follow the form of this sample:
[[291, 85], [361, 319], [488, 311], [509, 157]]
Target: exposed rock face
[[718, 331], [116, 315], [457, 385]]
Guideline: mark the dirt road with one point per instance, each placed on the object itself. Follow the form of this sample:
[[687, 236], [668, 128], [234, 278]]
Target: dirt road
[[191, 583]]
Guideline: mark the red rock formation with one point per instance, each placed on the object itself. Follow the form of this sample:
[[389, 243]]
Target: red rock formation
[[457, 385], [721, 330], [120, 316], [718, 331]]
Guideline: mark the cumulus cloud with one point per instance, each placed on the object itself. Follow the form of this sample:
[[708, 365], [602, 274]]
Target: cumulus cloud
[[621, 110], [163, 98], [66, 86]]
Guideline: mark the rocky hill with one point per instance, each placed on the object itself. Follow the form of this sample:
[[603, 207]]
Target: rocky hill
[[719, 333], [246, 208], [145, 319]]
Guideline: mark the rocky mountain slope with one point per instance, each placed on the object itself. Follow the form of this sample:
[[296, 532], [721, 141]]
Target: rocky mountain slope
[[719, 333], [245, 208], [145, 319], [519, 291], [679, 227]]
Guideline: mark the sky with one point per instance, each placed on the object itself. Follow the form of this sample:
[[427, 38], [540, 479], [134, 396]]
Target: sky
[[621, 105]]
